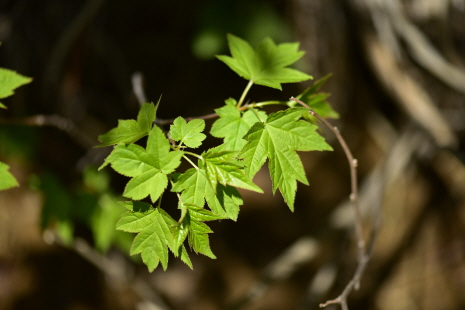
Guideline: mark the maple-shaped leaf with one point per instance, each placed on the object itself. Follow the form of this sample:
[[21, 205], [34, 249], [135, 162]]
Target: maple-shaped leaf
[[148, 167], [197, 231], [129, 131], [188, 133], [9, 81], [233, 124], [196, 188], [266, 65], [7, 180], [154, 237], [316, 100], [278, 139]]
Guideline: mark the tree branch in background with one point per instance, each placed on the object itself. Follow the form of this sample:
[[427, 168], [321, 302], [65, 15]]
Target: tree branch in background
[[57, 121], [137, 80], [363, 256]]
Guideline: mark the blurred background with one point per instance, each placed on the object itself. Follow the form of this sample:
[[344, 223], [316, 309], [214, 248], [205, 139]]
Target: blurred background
[[398, 85]]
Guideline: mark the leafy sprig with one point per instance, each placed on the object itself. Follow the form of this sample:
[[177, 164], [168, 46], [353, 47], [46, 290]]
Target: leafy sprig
[[210, 189]]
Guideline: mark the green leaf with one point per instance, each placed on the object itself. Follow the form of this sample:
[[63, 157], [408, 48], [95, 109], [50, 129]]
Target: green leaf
[[197, 189], [57, 207], [104, 220], [7, 180], [148, 167], [223, 168], [198, 231], [278, 139], [317, 101], [267, 64], [188, 133], [180, 232], [233, 124], [9, 81], [129, 131], [154, 236], [185, 257], [146, 116]]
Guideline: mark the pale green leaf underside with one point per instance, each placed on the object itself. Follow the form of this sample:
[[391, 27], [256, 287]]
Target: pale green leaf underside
[[267, 64], [277, 140], [7, 180]]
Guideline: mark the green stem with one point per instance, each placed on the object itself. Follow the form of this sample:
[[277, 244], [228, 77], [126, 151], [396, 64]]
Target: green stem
[[190, 161], [246, 90], [262, 104]]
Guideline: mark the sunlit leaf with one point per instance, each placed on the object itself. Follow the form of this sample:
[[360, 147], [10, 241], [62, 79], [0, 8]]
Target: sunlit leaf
[[277, 140], [148, 167], [266, 65], [7, 180], [188, 133]]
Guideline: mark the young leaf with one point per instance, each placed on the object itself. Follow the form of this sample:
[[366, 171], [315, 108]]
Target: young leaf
[[9, 81], [7, 180], [188, 133], [148, 167], [154, 236], [267, 64], [129, 131], [233, 124], [317, 100], [278, 139]]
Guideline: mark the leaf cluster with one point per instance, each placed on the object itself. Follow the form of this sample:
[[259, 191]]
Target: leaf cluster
[[9, 81], [210, 189]]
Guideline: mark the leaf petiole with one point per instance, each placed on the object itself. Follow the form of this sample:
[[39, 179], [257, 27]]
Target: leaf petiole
[[262, 104], [244, 93], [190, 161], [257, 115]]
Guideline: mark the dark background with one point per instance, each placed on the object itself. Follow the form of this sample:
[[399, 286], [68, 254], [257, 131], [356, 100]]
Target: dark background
[[403, 116]]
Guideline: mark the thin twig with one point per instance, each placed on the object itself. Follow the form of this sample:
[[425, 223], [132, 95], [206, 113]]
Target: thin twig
[[363, 257]]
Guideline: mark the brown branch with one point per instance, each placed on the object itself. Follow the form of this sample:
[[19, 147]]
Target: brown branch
[[363, 256]]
